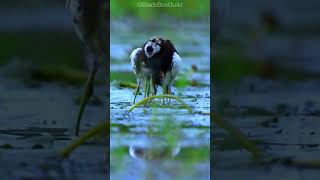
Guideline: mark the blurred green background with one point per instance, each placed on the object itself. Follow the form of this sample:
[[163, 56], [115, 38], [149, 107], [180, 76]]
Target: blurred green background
[[191, 9]]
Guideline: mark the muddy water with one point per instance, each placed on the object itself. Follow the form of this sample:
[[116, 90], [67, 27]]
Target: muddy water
[[161, 141]]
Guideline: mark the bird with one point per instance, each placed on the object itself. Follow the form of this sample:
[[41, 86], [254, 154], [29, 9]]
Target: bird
[[89, 19], [156, 62]]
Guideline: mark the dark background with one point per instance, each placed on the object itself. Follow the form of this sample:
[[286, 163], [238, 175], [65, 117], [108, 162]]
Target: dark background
[[43, 67], [266, 80]]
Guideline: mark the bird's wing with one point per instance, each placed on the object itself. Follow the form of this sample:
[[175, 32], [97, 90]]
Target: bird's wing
[[90, 22], [134, 59], [176, 65], [76, 12], [170, 76]]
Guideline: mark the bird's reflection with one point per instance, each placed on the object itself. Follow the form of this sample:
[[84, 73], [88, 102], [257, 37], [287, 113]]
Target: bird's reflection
[[153, 149]]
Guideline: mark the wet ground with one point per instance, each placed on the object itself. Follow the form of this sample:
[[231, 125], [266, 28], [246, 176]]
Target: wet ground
[[161, 141], [40, 88], [36, 124], [271, 89], [282, 117]]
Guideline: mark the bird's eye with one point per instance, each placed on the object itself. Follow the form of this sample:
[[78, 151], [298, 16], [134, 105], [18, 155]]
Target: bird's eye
[[153, 40]]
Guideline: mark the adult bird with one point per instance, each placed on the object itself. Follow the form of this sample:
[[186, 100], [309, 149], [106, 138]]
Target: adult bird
[[90, 22], [156, 63]]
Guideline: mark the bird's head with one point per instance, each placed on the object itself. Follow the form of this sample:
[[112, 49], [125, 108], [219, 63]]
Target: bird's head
[[153, 46]]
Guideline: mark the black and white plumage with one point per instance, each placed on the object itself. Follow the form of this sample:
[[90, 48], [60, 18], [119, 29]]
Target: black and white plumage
[[158, 62]]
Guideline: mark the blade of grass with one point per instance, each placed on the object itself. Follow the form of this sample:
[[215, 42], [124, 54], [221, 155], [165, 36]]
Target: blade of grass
[[128, 85], [239, 136], [94, 131]]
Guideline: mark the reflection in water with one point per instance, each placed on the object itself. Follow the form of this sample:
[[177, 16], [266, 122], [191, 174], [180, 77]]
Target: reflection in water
[[153, 148]]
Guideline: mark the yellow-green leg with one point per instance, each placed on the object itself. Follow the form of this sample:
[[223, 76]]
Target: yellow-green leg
[[145, 87], [136, 93], [166, 85], [88, 91], [167, 91], [163, 92], [148, 87], [154, 90]]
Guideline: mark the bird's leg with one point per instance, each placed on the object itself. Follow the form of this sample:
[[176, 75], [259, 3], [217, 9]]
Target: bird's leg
[[137, 91], [148, 87], [145, 87], [148, 90], [88, 91], [153, 86], [169, 92], [165, 92], [154, 89], [166, 85]]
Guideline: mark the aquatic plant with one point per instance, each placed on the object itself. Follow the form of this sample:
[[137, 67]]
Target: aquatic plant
[[147, 100], [98, 130]]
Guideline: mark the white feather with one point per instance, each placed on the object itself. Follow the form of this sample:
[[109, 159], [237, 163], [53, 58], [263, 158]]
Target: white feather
[[155, 46], [134, 59], [76, 12], [170, 76], [176, 64]]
